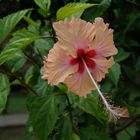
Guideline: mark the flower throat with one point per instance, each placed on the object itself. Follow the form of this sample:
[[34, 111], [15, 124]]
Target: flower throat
[[87, 57]]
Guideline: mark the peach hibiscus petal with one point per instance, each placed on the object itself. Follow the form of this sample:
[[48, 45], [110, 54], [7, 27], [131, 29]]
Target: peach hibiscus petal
[[80, 84], [74, 34], [99, 23], [103, 43], [101, 67], [57, 66]]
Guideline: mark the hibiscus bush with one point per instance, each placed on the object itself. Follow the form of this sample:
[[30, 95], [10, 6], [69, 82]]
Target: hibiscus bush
[[81, 79]]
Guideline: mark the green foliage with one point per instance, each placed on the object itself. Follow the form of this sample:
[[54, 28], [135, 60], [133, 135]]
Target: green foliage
[[114, 73], [54, 113], [42, 46], [75, 137], [19, 64], [71, 9], [98, 11], [4, 90], [42, 87], [97, 134], [19, 41], [8, 23], [132, 19], [29, 74], [44, 114], [92, 105], [66, 129], [44, 6], [122, 55]]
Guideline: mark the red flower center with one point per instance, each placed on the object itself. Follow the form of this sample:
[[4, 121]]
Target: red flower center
[[84, 56]]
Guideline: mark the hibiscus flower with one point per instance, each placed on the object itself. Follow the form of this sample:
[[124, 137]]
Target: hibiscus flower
[[81, 57]]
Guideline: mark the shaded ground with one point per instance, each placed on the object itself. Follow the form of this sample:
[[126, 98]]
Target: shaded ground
[[13, 119], [12, 133]]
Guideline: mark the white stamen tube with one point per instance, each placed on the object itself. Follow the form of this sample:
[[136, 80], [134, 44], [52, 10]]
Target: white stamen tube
[[107, 105]]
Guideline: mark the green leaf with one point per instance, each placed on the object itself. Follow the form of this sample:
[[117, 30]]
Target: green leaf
[[71, 9], [122, 55], [94, 132], [9, 22], [134, 111], [75, 137], [103, 6], [42, 87], [107, 85], [19, 41], [132, 19], [42, 46], [114, 73], [32, 75], [65, 129], [92, 105], [132, 43], [29, 74], [43, 4], [62, 87], [4, 90], [127, 134], [17, 65], [33, 27], [94, 12], [44, 114]]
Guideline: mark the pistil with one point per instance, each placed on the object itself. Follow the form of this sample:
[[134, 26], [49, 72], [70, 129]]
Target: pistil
[[113, 113]]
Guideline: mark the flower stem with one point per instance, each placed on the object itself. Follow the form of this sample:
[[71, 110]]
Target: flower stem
[[70, 112], [107, 105]]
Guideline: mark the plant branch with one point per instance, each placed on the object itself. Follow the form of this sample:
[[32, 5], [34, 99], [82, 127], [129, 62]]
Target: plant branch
[[53, 32], [49, 37], [31, 59], [39, 54], [70, 108], [70, 112], [127, 125], [11, 74], [25, 85]]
